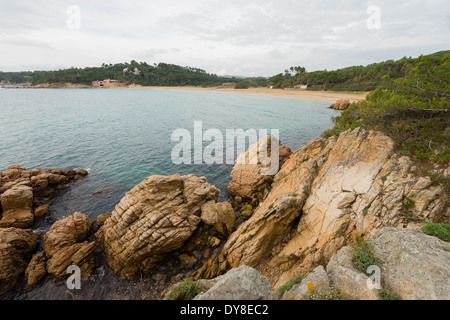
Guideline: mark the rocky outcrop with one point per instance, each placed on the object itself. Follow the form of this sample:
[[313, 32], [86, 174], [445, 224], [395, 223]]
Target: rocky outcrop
[[24, 193], [65, 245], [17, 203], [155, 218], [247, 180], [243, 283], [342, 104], [16, 246], [327, 192], [415, 266]]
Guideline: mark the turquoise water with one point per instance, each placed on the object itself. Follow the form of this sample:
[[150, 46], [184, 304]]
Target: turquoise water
[[123, 136]]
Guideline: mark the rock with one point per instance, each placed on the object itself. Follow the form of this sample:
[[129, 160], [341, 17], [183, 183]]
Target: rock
[[100, 221], [153, 219], [318, 278], [219, 215], [82, 172], [346, 279], [41, 211], [187, 260], [247, 180], [272, 220], [16, 245], [416, 266], [17, 203], [36, 269], [247, 211], [243, 283], [69, 172], [342, 104], [64, 246]]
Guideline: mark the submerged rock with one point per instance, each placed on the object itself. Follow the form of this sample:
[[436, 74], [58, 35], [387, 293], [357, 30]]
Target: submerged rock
[[153, 219]]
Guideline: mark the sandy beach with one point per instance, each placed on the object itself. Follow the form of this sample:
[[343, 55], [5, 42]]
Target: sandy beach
[[313, 95]]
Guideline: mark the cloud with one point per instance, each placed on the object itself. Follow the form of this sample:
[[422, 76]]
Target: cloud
[[243, 38]]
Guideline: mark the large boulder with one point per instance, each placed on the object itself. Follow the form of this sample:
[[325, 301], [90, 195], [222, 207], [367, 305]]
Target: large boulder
[[243, 283], [17, 204], [345, 278], [153, 219], [16, 246], [317, 279], [247, 178], [415, 266], [65, 245], [220, 216]]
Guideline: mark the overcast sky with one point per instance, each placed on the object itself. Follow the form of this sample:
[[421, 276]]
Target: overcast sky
[[225, 37]]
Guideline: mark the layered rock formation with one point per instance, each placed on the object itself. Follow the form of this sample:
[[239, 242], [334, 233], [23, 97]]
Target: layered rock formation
[[23, 193], [155, 218], [16, 246], [327, 192], [247, 180], [65, 245]]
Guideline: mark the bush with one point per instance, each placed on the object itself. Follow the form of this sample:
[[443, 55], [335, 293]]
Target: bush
[[441, 231], [242, 85], [388, 295], [414, 111], [288, 286], [363, 255], [186, 290]]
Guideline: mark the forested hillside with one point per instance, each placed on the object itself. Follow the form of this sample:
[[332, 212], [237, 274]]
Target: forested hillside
[[140, 73], [357, 78]]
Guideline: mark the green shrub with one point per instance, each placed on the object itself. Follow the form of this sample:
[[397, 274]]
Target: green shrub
[[288, 286], [441, 231], [388, 295], [414, 111], [363, 255], [242, 85], [186, 290]]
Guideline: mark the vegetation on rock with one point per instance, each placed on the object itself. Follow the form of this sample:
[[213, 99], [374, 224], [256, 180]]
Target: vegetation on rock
[[413, 110], [363, 255], [186, 290], [439, 230]]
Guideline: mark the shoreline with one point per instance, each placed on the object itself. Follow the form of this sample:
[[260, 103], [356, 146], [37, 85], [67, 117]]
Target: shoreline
[[331, 96]]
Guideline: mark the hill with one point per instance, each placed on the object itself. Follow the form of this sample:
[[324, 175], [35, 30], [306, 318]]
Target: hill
[[356, 78]]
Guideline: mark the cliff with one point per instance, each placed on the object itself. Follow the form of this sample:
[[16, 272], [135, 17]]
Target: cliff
[[326, 193]]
